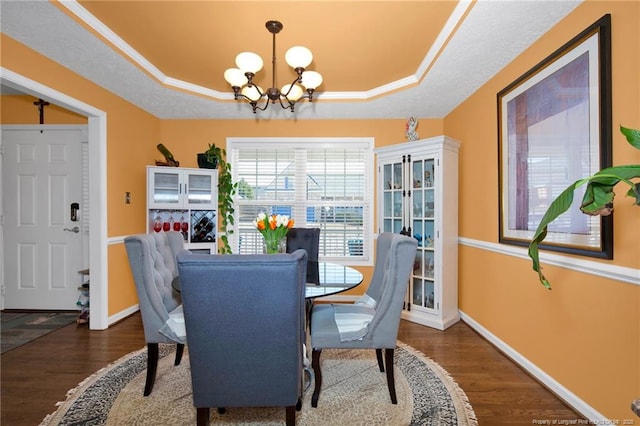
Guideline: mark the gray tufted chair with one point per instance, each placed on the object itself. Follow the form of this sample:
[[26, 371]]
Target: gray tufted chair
[[372, 321], [245, 330], [152, 258]]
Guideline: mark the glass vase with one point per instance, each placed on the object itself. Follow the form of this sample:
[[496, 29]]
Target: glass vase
[[275, 245]]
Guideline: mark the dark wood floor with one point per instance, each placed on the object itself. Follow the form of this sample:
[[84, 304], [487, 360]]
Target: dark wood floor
[[38, 374]]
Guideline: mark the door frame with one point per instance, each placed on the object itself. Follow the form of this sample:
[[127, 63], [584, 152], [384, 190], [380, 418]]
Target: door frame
[[97, 135]]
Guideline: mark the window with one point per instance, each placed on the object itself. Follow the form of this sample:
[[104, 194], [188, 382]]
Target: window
[[324, 183]]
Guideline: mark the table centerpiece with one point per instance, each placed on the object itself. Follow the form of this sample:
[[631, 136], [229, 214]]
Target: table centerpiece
[[274, 229]]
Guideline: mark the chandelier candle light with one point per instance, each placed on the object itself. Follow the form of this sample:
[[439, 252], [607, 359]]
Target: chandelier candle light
[[274, 229], [249, 63]]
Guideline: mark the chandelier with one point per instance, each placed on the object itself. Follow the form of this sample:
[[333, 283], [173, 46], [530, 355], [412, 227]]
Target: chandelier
[[249, 63]]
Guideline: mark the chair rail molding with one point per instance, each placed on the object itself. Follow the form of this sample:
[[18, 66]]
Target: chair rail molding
[[605, 270]]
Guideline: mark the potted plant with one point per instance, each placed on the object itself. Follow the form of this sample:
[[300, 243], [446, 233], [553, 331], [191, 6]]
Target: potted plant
[[226, 190], [210, 158], [597, 200]]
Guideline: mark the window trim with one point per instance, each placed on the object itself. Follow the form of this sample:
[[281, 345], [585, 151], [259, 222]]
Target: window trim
[[367, 143]]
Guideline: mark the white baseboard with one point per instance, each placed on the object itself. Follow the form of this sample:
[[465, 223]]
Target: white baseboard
[[123, 314], [553, 385]]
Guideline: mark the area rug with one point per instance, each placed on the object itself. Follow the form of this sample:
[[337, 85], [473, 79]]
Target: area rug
[[19, 328], [354, 392]]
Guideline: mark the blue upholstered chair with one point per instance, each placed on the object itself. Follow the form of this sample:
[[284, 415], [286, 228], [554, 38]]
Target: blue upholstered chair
[[152, 258], [372, 321], [245, 320], [304, 238]]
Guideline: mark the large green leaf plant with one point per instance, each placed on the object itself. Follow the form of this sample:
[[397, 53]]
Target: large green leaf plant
[[597, 200]]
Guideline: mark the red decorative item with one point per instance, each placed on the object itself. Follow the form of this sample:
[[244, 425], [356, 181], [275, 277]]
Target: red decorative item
[[157, 224]]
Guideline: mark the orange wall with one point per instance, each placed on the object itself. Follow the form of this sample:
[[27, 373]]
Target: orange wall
[[585, 333], [132, 135], [122, 291], [19, 109]]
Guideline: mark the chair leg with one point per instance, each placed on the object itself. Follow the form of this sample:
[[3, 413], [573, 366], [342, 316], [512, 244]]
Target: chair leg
[[202, 416], [379, 358], [391, 384], [315, 364], [291, 415], [179, 351], [152, 367], [308, 308]]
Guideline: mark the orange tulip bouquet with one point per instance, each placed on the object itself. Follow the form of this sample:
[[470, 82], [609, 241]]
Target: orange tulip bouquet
[[274, 229]]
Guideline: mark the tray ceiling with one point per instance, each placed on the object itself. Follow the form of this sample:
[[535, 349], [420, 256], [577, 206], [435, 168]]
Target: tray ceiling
[[379, 59]]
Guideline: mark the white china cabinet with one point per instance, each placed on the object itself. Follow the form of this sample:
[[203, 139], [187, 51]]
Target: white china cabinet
[[185, 200], [417, 191]]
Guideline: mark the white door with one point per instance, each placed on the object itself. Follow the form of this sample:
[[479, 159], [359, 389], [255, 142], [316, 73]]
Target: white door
[[42, 182]]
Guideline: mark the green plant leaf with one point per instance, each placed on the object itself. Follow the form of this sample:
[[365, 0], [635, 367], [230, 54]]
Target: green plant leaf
[[628, 171], [226, 190], [635, 193], [597, 200], [599, 192], [595, 197], [632, 135], [560, 205]]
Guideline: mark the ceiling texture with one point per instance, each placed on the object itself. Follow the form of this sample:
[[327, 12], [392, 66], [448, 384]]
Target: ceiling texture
[[379, 59]]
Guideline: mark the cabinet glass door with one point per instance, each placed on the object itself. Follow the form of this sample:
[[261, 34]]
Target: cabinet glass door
[[424, 230], [166, 188], [199, 189], [392, 197]]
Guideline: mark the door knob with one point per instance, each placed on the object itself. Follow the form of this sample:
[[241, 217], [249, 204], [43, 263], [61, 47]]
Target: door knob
[[75, 229]]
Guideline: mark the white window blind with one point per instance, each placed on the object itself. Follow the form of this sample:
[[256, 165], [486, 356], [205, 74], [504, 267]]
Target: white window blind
[[321, 183]]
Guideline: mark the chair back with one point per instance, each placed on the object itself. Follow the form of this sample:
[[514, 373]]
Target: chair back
[[245, 320], [394, 264], [304, 238], [383, 244], [152, 258]]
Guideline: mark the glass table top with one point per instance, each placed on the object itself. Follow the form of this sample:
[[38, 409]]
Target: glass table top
[[325, 278]]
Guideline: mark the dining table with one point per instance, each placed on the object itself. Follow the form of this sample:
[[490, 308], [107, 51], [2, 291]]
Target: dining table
[[328, 278], [323, 279]]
